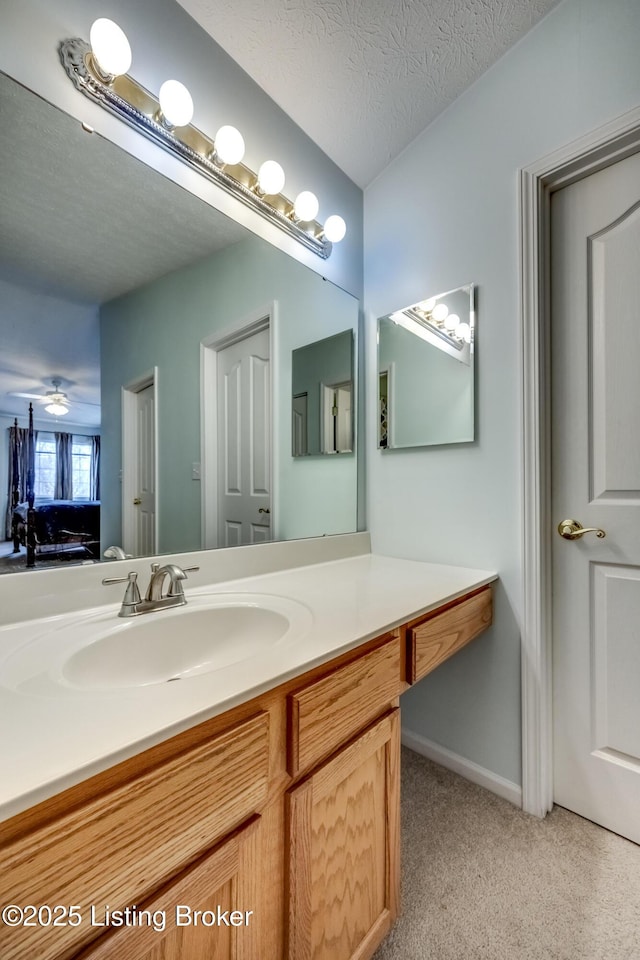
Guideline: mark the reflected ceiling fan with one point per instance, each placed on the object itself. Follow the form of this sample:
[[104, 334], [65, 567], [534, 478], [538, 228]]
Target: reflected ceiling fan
[[55, 401]]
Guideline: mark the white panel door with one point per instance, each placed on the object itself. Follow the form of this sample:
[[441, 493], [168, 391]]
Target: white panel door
[[595, 298], [145, 500], [244, 441]]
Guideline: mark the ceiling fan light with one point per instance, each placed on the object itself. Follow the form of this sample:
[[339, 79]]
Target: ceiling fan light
[[57, 408]]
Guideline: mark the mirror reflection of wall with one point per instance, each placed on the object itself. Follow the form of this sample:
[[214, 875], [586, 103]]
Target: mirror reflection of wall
[[112, 277], [426, 356], [322, 402]]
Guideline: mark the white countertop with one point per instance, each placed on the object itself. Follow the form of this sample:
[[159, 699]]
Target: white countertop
[[52, 740]]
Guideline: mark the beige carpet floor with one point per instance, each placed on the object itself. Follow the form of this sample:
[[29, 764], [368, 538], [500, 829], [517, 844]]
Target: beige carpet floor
[[484, 881]]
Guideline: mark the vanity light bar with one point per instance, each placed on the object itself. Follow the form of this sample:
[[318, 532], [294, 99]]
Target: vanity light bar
[[131, 102], [434, 326]]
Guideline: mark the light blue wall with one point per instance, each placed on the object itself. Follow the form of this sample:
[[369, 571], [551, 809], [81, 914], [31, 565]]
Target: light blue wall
[[166, 42], [161, 325], [445, 213]]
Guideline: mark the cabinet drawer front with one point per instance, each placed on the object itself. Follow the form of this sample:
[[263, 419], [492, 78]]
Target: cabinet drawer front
[[123, 845], [440, 636], [224, 878], [326, 713]]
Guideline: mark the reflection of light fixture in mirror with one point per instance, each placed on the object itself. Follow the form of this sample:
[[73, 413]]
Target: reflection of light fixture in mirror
[[176, 105], [434, 314], [463, 330], [56, 408], [419, 327], [100, 73], [57, 402]]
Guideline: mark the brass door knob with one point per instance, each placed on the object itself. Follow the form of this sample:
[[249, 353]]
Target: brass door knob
[[137, 501], [573, 530]]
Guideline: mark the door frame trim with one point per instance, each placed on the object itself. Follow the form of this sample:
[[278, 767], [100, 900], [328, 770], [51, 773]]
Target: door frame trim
[[576, 160], [255, 322], [129, 452]]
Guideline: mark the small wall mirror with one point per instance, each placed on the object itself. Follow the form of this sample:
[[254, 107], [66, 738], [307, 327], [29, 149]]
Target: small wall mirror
[[426, 372], [323, 396]]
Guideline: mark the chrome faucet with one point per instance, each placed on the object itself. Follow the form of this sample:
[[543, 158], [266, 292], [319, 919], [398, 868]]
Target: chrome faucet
[[158, 576], [116, 553], [133, 605]]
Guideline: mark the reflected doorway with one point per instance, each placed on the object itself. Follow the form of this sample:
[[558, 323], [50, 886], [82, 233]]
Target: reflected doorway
[[237, 436], [139, 466]]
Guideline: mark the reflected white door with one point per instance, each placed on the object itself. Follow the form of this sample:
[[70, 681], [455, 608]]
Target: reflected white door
[[336, 418], [146, 480], [244, 441], [139, 470], [596, 481]]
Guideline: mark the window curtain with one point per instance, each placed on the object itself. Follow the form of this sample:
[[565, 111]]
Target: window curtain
[[64, 467], [95, 468], [18, 466]]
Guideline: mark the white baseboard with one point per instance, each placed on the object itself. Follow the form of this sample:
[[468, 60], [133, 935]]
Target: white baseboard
[[466, 768]]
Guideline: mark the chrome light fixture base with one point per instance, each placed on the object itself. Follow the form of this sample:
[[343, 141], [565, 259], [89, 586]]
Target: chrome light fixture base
[[128, 100]]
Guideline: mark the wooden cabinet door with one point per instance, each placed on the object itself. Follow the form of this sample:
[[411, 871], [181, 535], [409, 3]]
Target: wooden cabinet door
[[343, 869], [210, 912]]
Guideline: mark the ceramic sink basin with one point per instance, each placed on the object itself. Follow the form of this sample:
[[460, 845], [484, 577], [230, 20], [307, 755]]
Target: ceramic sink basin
[[208, 633]]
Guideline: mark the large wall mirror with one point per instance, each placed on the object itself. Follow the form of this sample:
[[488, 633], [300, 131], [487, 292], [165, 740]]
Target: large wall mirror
[[167, 332], [426, 355]]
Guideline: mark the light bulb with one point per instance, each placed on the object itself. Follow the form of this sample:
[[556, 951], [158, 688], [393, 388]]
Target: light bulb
[[463, 330], [58, 409], [229, 145], [305, 206], [451, 321], [440, 311], [270, 177], [428, 305], [335, 228], [110, 47], [176, 103]]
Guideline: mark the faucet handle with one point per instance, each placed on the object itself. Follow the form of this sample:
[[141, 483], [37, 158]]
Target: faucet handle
[[131, 594], [132, 576], [180, 574]]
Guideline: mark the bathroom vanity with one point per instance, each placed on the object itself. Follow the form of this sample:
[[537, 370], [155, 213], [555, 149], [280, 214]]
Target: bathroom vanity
[[268, 828]]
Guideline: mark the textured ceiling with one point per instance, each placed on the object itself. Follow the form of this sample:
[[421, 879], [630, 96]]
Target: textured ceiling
[[364, 77], [81, 222], [84, 220]]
